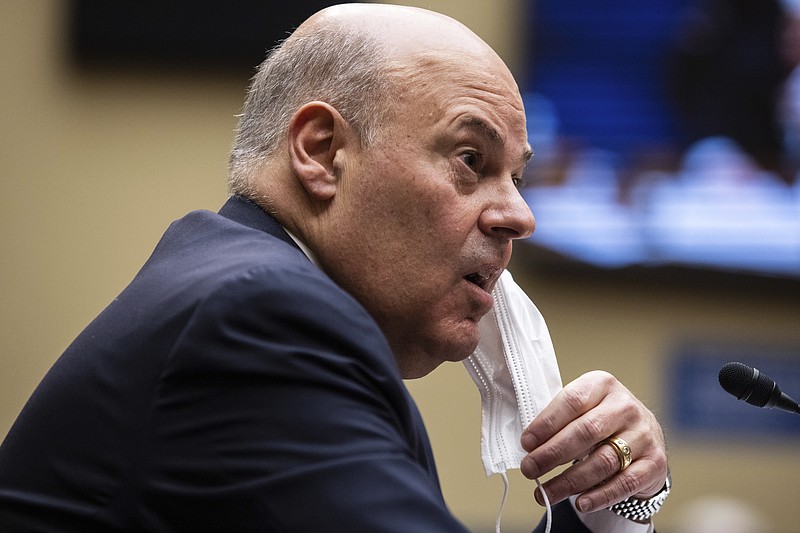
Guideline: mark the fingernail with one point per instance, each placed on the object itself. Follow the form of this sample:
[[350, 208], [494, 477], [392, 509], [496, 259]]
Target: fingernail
[[583, 505], [538, 496]]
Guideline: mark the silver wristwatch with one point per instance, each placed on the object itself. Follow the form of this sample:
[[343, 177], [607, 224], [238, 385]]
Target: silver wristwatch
[[639, 510]]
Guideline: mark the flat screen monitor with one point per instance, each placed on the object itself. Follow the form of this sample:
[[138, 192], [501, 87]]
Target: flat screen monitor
[[665, 134]]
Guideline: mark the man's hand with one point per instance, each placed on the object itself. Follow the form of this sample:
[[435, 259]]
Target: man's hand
[[572, 428]]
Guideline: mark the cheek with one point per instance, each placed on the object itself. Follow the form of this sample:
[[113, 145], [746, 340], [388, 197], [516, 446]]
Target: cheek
[[416, 213]]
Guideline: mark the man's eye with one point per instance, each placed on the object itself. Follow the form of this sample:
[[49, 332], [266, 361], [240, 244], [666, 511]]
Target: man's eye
[[472, 160], [518, 181]]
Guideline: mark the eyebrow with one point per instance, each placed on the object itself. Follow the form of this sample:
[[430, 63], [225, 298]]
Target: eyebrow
[[476, 123]]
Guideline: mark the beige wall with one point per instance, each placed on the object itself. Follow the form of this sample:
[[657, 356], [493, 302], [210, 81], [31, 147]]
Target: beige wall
[[95, 166]]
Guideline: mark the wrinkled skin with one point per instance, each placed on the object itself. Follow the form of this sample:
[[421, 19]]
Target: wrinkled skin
[[419, 226]]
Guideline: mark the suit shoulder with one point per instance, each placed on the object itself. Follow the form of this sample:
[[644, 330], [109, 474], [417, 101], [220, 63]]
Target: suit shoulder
[[292, 297]]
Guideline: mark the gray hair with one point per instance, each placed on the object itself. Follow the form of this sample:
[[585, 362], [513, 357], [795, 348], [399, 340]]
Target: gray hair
[[345, 68]]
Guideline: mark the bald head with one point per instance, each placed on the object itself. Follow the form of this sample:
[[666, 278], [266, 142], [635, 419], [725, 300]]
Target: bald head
[[402, 30], [351, 56]]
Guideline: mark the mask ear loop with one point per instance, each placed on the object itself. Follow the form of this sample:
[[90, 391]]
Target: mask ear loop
[[549, 523], [502, 502], [547, 506]]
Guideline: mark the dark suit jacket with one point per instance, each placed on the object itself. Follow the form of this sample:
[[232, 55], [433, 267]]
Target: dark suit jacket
[[232, 386]]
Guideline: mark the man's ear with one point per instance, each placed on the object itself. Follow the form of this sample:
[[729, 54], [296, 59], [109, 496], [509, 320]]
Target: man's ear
[[316, 133]]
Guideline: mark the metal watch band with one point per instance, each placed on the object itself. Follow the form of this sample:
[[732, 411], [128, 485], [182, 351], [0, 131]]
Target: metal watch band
[[636, 509]]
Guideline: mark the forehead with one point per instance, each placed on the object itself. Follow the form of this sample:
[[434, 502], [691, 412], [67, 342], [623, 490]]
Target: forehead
[[472, 94]]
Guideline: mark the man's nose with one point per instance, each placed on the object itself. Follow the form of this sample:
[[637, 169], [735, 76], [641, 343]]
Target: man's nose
[[508, 216]]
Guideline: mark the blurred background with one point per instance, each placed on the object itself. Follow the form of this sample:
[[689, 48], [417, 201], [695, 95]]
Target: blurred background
[[667, 144]]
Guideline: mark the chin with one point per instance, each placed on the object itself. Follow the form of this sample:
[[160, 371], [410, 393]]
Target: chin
[[420, 363]]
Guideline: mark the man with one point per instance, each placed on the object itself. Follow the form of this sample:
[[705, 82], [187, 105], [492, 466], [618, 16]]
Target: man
[[236, 386]]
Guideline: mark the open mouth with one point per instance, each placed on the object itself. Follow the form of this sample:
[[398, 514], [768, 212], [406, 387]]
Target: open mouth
[[485, 277]]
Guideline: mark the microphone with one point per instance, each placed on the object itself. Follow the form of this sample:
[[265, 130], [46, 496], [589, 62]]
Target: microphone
[[753, 387]]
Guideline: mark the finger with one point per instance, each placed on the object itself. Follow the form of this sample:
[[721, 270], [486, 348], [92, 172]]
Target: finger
[[580, 436], [570, 444], [574, 400], [599, 478], [624, 484], [590, 471]]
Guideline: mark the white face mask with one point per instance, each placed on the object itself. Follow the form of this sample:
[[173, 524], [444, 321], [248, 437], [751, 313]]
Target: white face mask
[[515, 369]]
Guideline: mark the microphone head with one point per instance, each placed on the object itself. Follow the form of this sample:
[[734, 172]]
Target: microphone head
[[736, 378], [746, 383]]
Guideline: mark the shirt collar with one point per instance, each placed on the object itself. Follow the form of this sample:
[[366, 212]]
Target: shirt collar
[[305, 249]]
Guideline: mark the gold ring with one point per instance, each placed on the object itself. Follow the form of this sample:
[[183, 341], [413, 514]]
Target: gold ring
[[623, 451]]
